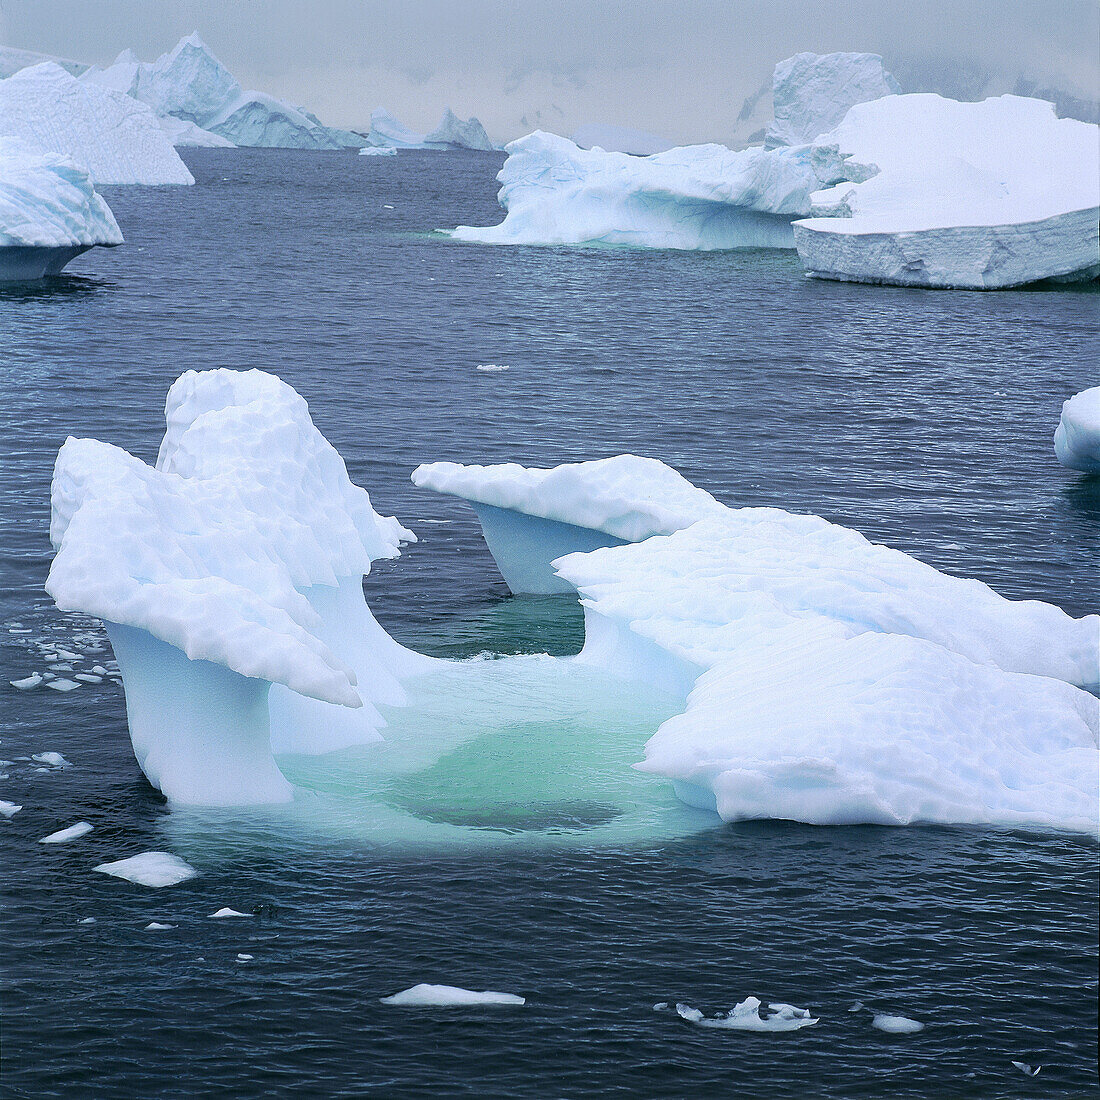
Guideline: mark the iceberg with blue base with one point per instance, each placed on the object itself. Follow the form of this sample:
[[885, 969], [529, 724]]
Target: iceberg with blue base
[[1077, 437], [451, 133], [944, 194], [115, 138], [49, 212]]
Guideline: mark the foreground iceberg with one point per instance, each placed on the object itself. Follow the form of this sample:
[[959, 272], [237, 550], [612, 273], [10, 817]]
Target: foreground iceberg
[[49, 212], [190, 84], [451, 133], [802, 671], [1077, 438], [117, 139], [947, 194]]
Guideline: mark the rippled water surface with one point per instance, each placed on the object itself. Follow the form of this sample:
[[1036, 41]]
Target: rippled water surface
[[924, 419]]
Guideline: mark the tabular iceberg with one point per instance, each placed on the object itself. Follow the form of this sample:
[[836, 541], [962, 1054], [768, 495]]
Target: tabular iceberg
[[1077, 437], [117, 139], [190, 84], [947, 194], [49, 212], [451, 133]]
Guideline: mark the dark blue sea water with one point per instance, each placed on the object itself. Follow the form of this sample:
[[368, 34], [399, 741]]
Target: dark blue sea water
[[922, 418]]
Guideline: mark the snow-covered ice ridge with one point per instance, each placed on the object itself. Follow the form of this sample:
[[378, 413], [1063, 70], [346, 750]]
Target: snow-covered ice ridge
[[115, 138], [945, 194], [49, 212], [693, 197], [234, 564], [189, 84], [1077, 437], [824, 678], [451, 133]]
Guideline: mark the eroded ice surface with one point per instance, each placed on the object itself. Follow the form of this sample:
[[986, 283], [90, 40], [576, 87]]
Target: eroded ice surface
[[1077, 437], [448, 996], [972, 195], [896, 1025], [115, 138], [49, 212], [746, 1016], [156, 869]]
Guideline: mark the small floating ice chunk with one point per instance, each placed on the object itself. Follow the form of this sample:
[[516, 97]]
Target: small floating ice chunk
[[54, 759], [1023, 1067], [896, 1025], [154, 926], [67, 655], [661, 1006], [856, 1007], [27, 682], [88, 678], [425, 995], [87, 920], [81, 828], [155, 869], [492, 367], [63, 685], [8, 809], [746, 1017], [227, 912], [242, 958], [99, 670]]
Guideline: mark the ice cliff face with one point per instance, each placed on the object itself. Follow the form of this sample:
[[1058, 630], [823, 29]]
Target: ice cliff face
[[697, 197], [49, 212], [1077, 438], [974, 195], [117, 139], [811, 93], [451, 133], [190, 84]]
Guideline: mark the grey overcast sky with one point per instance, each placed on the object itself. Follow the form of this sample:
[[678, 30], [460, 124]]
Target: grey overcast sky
[[681, 68]]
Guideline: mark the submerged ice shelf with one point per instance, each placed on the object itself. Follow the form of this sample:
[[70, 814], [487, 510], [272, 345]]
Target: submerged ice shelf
[[789, 667]]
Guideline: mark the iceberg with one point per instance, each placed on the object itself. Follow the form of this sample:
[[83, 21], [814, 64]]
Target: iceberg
[[789, 667], [115, 138], [944, 194], [378, 151], [449, 996], [451, 133], [1077, 437], [13, 59], [50, 212], [619, 139], [181, 133], [387, 133], [811, 93], [190, 84]]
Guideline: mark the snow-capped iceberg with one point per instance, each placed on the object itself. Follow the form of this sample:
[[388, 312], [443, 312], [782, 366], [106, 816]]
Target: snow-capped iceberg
[[235, 564], [49, 212], [695, 197], [811, 93], [117, 139], [1077, 437], [451, 133], [619, 139], [190, 84], [946, 194]]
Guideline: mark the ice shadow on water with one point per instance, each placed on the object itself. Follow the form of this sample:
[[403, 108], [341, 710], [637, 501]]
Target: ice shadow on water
[[54, 286], [1083, 497]]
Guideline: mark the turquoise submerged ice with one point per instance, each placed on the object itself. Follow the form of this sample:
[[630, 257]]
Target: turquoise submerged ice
[[768, 664]]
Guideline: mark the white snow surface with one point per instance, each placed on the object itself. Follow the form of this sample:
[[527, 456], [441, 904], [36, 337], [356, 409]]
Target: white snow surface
[[73, 832], [626, 496], [9, 809], [378, 151], [116, 139], [248, 503], [746, 1016], [1077, 438], [156, 869], [694, 197], [449, 996], [896, 1025], [48, 201], [811, 93], [973, 195], [619, 139], [190, 84], [225, 912], [182, 133]]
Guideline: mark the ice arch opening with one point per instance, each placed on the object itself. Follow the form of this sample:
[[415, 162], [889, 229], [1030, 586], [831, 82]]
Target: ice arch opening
[[767, 664]]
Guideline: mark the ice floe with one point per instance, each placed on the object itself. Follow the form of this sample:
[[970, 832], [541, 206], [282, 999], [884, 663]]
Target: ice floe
[[1027, 1070], [896, 1025], [27, 682], [73, 832], [156, 926], [448, 996], [225, 912], [1077, 437], [244, 958], [9, 809], [746, 1016], [53, 759], [156, 869]]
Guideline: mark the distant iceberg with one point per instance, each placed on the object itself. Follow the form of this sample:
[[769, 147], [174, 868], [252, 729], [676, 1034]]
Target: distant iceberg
[[451, 133], [820, 677], [1077, 438], [117, 139], [49, 212], [945, 194], [619, 139], [190, 84], [181, 133], [378, 151]]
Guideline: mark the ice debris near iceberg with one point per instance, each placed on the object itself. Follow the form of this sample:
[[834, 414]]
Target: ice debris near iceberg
[[190, 84], [63, 836], [451, 133], [116, 139], [50, 212], [1077, 437], [448, 996], [746, 1016], [156, 869], [896, 1025], [945, 194], [234, 564]]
